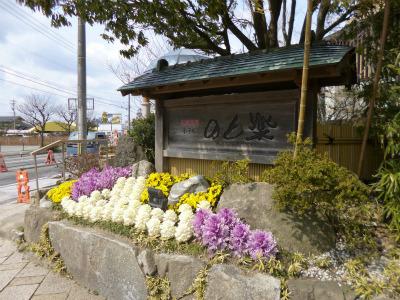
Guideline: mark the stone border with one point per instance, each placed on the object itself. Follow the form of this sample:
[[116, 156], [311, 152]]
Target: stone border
[[117, 269]]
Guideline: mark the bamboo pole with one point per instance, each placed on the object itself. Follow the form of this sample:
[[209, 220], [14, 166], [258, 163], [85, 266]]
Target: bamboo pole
[[375, 86], [304, 79]]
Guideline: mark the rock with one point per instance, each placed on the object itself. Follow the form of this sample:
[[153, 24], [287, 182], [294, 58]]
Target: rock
[[35, 218], [311, 289], [194, 184], [227, 282], [46, 202], [142, 168], [146, 262], [17, 235], [253, 202], [99, 261], [181, 270]]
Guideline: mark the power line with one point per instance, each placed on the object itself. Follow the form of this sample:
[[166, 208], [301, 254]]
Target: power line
[[25, 17], [50, 93], [51, 85], [37, 28]]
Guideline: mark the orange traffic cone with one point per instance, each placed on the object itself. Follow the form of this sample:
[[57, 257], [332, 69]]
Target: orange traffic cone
[[50, 158], [23, 188], [3, 167]]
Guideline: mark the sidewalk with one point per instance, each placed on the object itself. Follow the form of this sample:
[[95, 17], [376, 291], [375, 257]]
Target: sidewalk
[[9, 191], [21, 278]]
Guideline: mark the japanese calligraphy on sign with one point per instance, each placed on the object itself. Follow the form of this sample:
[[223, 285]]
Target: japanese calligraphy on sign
[[254, 128], [258, 124]]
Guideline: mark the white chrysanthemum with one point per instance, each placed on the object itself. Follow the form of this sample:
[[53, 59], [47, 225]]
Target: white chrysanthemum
[[142, 216], [170, 215], [123, 200], [158, 213], [135, 204], [101, 203], [114, 199], [183, 232], [95, 214], [137, 189], [129, 215], [83, 198], [79, 209], [153, 227], [96, 195], [68, 205], [186, 216], [107, 212], [184, 207], [118, 214], [167, 230], [86, 210], [106, 193], [121, 180], [204, 204]]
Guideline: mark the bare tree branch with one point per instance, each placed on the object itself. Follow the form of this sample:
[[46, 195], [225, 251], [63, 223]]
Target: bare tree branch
[[37, 111]]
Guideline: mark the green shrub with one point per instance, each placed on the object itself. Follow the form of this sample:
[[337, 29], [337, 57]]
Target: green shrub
[[143, 133], [388, 185], [312, 183], [232, 172]]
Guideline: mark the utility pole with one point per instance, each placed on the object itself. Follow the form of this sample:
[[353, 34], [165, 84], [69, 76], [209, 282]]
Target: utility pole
[[82, 107], [129, 111], [13, 102]]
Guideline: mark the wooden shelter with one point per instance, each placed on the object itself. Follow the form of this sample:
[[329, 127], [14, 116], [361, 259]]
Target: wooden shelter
[[238, 106]]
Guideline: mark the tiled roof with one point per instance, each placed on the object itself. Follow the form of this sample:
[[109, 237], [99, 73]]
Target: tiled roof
[[262, 61]]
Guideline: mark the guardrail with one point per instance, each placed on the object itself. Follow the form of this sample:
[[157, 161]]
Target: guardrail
[[102, 142]]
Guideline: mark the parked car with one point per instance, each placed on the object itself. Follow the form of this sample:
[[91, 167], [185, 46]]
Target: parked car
[[91, 147]]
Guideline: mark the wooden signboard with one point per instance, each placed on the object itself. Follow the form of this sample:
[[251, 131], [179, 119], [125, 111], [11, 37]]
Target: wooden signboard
[[230, 127]]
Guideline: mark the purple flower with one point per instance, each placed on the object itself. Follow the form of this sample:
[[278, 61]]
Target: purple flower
[[215, 233], [228, 217], [239, 238], [198, 222], [261, 244], [96, 179]]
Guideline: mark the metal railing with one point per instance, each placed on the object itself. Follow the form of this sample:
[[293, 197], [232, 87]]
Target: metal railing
[[101, 143]]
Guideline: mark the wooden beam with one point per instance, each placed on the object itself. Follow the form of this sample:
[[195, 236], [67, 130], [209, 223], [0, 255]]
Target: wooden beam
[[159, 137]]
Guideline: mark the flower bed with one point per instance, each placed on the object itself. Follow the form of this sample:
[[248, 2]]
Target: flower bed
[[126, 204], [61, 191], [96, 179]]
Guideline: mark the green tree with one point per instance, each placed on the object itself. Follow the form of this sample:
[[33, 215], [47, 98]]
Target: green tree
[[143, 133], [206, 25]]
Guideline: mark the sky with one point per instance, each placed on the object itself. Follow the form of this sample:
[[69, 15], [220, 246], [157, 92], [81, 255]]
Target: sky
[[31, 50], [36, 58]]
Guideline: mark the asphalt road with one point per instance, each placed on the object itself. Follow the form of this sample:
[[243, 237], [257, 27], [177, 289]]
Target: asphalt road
[[14, 163]]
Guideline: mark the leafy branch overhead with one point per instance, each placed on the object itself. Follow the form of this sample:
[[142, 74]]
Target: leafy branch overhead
[[210, 26]]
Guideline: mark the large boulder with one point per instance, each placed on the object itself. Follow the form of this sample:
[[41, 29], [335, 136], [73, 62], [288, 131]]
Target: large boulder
[[254, 203], [142, 168], [35, 218], [194, 184], [227, 282], [181, 270], [311, 289], [102, 262]]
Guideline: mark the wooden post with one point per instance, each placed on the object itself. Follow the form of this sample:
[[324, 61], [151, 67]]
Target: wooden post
[[63, 159], [375, 87], [159, 138], [304, 78], [37, 200]]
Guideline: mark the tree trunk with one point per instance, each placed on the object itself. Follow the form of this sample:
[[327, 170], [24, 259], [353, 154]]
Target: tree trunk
[[375, 86], [304, 79], [275, 11], [41, 139], [291, 22]]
